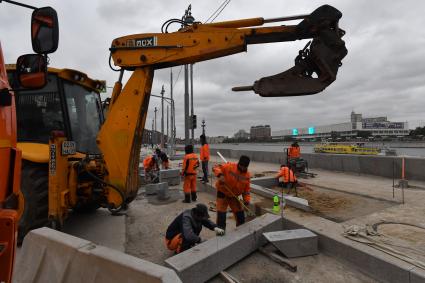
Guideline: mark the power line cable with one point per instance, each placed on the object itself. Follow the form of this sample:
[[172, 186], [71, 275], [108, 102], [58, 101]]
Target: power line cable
[[212, 15], [221, 10]]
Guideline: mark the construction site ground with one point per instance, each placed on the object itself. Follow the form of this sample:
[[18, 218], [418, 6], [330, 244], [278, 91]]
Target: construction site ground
[[343, 198]]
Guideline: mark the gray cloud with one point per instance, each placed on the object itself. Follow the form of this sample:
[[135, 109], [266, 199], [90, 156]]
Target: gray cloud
[[383, 73]]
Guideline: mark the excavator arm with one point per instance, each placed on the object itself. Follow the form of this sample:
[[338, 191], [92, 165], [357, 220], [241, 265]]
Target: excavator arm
[[316, 67]]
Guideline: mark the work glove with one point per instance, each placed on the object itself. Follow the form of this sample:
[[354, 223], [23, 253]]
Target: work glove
[[218, 231]]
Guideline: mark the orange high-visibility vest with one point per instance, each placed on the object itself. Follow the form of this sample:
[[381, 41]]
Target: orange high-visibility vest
[[287, 174], [148, 163], [205, 152], [294, 152], [236, 183], [190, 164]]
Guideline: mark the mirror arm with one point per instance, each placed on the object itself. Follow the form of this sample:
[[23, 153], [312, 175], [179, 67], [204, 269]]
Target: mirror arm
[[19, 4]]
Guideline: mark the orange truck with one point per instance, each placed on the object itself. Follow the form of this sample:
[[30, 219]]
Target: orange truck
[[32, 74]]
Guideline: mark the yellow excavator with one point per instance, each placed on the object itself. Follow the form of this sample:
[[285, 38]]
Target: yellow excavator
[[73, 159]]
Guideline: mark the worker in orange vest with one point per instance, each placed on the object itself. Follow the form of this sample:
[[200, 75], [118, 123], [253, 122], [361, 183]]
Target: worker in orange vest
[[150, 165], [233, 181], [190, 166], [287, 178], [294, 151], [163, 158], [205, 157]]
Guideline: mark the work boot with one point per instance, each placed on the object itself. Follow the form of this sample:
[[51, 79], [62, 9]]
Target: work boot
[[194, 196], [186, 198], [221, 220], [240, 218]]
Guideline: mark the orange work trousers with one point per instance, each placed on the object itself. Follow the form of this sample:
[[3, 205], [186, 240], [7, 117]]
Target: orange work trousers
[[189, 185], [223, 203], [175, 244]]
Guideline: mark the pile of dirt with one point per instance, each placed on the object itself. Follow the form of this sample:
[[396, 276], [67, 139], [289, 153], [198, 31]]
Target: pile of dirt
[[324, 202]]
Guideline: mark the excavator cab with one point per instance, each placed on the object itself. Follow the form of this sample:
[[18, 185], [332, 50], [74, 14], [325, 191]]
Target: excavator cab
[[69, 102]]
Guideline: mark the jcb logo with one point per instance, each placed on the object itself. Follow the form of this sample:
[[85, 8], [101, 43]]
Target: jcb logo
[[146, 42]]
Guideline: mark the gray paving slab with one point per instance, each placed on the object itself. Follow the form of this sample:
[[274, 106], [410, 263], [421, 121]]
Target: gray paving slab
[[169, 173], [294, 243], [290, 200], [206, 260]]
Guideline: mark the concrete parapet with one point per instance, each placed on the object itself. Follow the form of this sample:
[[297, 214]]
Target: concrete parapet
[[361, 164], [51, 256], [206, 260]]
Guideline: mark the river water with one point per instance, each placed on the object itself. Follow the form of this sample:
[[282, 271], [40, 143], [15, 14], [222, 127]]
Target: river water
[[401, 149]]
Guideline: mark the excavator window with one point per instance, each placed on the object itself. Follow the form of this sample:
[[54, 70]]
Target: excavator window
[[39, 112], [85, 116]]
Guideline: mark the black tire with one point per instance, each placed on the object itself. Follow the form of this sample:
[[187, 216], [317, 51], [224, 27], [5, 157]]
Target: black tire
[[35, 189]]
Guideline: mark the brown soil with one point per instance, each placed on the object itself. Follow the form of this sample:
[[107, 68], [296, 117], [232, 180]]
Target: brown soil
[[323, 202], [338, 206]]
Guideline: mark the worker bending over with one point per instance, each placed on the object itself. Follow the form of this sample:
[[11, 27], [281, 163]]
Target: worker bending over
[[183, 232], [287, 178], [205, 157], [163, 159], [233, 181], [190, 166], [150, 164]]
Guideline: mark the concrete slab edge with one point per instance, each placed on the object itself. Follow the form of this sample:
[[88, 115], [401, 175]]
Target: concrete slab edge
[[374, 263], [208, 259]]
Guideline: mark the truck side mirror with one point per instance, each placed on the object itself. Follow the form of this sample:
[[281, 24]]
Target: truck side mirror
[[44, 30], [31, 70]]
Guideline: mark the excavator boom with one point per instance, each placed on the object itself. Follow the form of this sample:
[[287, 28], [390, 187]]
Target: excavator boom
[[316, 67]]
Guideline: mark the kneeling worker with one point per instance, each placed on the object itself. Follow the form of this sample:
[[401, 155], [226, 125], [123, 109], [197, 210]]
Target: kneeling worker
[[183, 232], [233, 181], [287, 178]]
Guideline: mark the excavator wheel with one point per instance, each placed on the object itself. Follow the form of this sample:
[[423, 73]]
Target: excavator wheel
[[34, 187]]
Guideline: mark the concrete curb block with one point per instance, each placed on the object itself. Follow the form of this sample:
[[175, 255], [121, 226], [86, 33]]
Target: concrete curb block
[[208, 259], [51, 256], [290, 200], [376, 264]]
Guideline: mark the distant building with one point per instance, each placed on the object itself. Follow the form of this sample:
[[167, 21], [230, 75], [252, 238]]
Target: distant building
[[260, 132], [241, 134], [375, 126]]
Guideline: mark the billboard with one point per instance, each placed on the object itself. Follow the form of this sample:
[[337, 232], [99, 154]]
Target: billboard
[[311, 130], [295, 132]]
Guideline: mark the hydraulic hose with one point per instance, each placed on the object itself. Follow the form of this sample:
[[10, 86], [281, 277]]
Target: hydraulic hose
[[112, 210]]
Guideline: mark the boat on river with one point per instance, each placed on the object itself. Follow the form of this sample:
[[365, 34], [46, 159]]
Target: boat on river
[[338, 148]]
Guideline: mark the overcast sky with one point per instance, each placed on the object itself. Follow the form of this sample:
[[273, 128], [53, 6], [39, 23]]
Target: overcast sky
[[383, 73]]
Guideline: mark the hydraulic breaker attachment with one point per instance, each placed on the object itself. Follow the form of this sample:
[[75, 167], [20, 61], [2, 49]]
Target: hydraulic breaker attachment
[[316, 65]]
